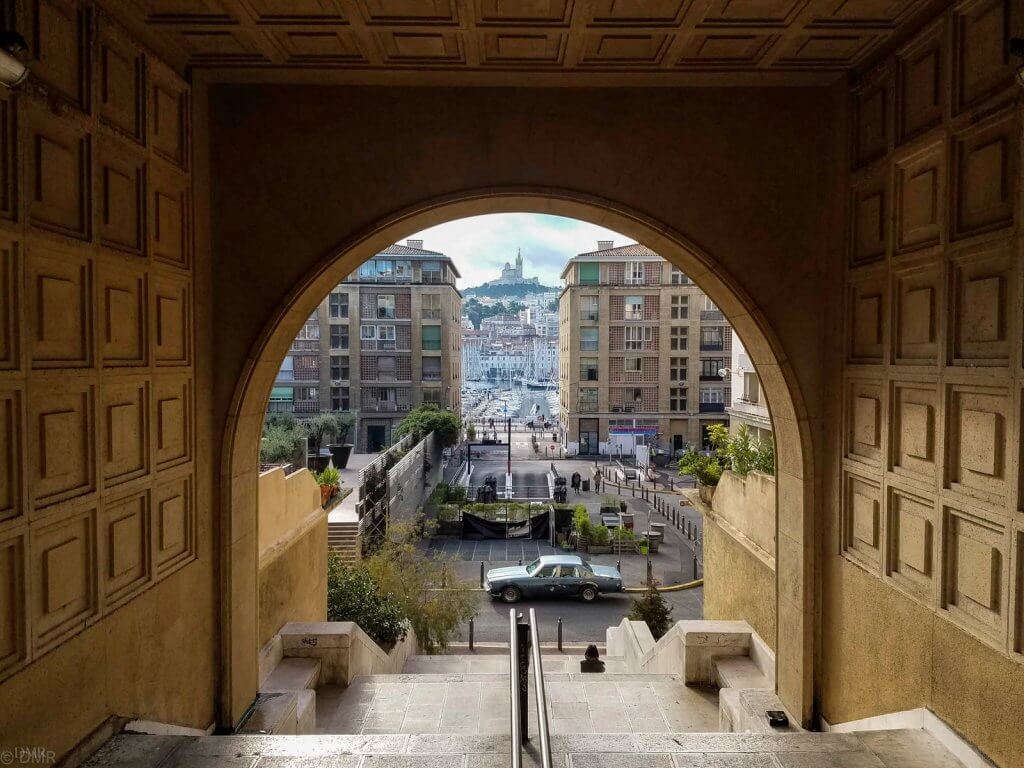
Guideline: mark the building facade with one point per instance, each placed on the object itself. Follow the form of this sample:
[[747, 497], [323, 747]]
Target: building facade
[[748, 406], [642, 354], [385, 340]]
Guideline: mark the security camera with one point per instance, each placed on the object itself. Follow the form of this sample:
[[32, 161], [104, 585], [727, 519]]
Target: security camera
[[12, 71]]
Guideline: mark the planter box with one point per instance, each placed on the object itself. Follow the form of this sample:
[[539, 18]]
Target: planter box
[[706, 492]]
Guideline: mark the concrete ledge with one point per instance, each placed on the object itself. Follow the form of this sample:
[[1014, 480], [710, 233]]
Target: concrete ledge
[[343, 649]]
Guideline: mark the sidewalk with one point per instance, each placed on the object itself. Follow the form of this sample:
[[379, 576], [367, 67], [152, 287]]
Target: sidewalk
[[345, 512]]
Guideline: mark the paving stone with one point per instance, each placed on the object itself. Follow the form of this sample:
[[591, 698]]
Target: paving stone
[[861, 759], [724, 760], [413, 761], [908, 749], [449, 744], [747, 742], [594, 742], [335, 761], [620, 761], [136, 751]]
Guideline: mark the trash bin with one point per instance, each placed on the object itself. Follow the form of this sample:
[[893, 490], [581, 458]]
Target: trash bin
[[585, 486]]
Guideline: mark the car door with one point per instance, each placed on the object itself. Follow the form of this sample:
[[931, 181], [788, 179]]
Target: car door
[[569, 581], [543, 583]]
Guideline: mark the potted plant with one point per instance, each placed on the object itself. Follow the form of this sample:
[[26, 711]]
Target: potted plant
[[342, 449], [329, 480]]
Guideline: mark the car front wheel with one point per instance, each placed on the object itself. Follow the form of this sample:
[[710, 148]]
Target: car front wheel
[[588, 594], [511, 594]]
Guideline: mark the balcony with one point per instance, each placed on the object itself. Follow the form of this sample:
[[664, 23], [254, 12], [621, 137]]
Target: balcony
[[431, 376], [305, 345], [431, 314], [587, 316], [386, 406], [379, 345], [712, 316], [712, 346], [712, 407], [710, 377]]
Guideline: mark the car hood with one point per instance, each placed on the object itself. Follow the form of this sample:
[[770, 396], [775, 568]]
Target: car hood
[[607, 571], [512, 572]]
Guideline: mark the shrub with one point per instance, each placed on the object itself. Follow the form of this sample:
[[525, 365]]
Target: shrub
[[581, 521], [471, 433], [411, 579], [327, 426], [600, 535], [622, 533], [354, 595], [706, 469], [428, 418], [280, 442], [329, 476], [653, 609]]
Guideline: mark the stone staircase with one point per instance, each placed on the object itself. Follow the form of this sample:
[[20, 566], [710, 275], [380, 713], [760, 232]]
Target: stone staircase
[[343, 538]]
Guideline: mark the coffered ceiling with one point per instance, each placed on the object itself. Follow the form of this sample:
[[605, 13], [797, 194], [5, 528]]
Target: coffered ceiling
[[667, 40]]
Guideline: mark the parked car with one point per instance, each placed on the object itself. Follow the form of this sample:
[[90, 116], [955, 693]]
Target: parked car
[[553, 576]]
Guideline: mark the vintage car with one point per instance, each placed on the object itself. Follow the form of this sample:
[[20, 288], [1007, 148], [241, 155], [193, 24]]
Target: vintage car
[[553, 576]]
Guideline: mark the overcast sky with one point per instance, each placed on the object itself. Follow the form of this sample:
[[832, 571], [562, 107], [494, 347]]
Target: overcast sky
[[480, 245]]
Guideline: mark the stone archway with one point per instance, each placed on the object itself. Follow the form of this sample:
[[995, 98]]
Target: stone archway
[[795, 468]]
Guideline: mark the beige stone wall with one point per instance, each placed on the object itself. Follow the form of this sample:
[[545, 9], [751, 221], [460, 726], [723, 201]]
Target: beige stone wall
[[747, 504], [106, 520], [923, 578], [285, 502]]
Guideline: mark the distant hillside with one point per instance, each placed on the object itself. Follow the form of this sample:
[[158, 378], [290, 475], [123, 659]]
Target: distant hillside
[[505, 291]]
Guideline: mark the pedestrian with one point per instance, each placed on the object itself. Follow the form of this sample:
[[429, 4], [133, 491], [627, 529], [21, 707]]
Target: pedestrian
[[576, 482]]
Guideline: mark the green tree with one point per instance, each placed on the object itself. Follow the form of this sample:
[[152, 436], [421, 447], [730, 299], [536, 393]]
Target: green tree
[[326, 427], [428, 418], [354, 595], [425, 588], [705, 469], [653, 609]]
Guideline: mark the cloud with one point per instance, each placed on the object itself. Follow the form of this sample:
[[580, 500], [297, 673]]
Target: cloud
[[480, 245]]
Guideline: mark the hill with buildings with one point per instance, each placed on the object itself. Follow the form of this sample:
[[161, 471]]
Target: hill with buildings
[[512, 283]]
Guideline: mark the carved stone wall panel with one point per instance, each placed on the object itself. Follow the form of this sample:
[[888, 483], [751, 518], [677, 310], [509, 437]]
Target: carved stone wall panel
[[168, 116], [59, 308], [612, 49], [872, 110], [545, 12], [12, 434], [8, 161], [10, 303], [124, 424], [918, 293], [978, 442], [912, 543], [870, 216], [310, 12], [64, 577], [1017, 592], [172, 319], [984, 175], [408, 11], [862, 521], [172, 419], [981, 50], [122, 198], [318, 46], [865, 406], [915, 448], [920, 198], [975, 591], [867, 314], [984, 307], [174, 527], [123, 314], [921, 82], [58, 48], [14, 641], [121, 81], [57, 176], [169, 219], [126, 557], [61, 429], [538, 48]]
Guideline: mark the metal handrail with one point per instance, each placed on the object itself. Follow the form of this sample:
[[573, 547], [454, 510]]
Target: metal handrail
[[517, 737], [542, 702]]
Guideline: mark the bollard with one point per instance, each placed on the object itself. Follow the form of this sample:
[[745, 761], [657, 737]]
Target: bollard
[[694, 566], [671, 484], [481, 576], [559, 634], [650, 572], [618, 565], [470, 635], [520, 561]]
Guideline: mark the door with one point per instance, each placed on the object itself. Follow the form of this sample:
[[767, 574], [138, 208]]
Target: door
[[376, 437], [569, 581], [544, 583]]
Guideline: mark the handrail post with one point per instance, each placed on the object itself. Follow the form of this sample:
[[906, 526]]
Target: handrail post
[[513, 666], [538, 685]]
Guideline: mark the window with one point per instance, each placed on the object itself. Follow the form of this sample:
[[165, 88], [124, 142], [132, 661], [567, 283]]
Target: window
[[634, 308], [709, 369], [677, 399], [386, 332], [431, 368], [431, 337], [340, 399], [634, 273], [339, 337], [385, 367], [680, 307], [588, 308], [588, 400], [709, 304], [712, 396], [632, 365], [712, 338], [339, 368], [588, 369], [368, 332], [589, 273], [751, 387], [385, 306], [338, 305], [636, 395], [678, 369], [588, 339], [432, 394], [678, 338], [431, 306], [306, 393], [385, 268], [403, 270], [678, 276], [637, 336], [432, 272]]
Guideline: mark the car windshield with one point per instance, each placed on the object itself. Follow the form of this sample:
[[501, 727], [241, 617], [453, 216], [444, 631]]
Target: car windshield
[[533, 567]]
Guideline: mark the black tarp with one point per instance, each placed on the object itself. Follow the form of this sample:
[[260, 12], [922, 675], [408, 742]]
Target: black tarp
[[476, 528]]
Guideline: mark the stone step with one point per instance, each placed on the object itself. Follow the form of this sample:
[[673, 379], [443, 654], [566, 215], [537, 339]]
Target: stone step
[[883, 749], [740, 672], [424, 678], [292, 674]]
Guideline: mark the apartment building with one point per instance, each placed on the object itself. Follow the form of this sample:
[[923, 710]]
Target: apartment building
[[383, 341], [748, 406], [643, 354]]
